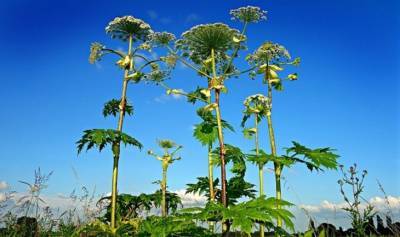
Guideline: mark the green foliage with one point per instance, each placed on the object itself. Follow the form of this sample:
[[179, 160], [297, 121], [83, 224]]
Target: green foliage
[[245, 215], [237, 187], [101, 137], [232, 154], [263, 158], [249, 132], [313, 158], [166, 144], [173, 201], [128, 206], [202, 186], [133, 207], [317, 159], [155, 76], [100, 229], [193, 96], [206, 132], [112, 108], [172, 226]]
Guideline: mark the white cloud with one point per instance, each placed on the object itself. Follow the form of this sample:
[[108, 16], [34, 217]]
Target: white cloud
[[3, 185], [165, 20], [152, 14], [155, 17], [380, 204], [193, 17], [190, 199], [3, 197], [163, 98]]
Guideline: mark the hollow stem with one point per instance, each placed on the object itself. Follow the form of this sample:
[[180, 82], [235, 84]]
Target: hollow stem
[[164, 191], [116, 150], [217, 93], [260, 168]]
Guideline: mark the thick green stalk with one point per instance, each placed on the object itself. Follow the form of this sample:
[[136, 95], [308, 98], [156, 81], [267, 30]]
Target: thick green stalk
[[260, 169], [217, 93], [277, 166], [210, 174], [116, 147], [224, 200], [210, 166], [164, 191]]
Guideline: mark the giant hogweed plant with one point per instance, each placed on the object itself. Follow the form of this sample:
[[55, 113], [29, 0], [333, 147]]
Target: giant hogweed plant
[[206, 133], [256, 106], [210, 50], [167, 158], [269, 61], [140, 39]]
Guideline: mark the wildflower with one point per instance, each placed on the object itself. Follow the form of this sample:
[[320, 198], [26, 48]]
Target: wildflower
[[248, 14]]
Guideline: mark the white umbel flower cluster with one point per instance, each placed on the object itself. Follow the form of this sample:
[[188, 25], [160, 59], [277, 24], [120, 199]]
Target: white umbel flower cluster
[[248, 14], [162, 38], [123, 27], [267, 52], [257, 103]]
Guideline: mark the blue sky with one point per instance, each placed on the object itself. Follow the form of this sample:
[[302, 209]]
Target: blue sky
[[346, 96]]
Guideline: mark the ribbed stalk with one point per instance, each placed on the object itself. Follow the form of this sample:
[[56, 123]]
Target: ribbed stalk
[[220, 134], [164, 192], [217, 93], [210, 166], [277, 166], [260, 168], [211, 183], [222, 157], [116, 148], [210, 174]]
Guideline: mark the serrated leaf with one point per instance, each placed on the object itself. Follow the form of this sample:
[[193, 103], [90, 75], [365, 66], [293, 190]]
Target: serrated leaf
[[313, 158], [112, 108], [100, 138]]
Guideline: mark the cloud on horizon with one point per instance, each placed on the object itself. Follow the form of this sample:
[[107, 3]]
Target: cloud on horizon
[[163, 98], [3, 185], [153, 15], [326, 211]]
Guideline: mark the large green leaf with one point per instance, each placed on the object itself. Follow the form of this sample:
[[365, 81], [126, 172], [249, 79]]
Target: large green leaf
[[245, 215], [112, 108], [263, 158], [206, 132], [100, 138], [314, 158], [232, 154]]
